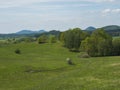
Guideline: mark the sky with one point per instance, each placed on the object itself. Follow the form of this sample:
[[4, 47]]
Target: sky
[[16, 15]]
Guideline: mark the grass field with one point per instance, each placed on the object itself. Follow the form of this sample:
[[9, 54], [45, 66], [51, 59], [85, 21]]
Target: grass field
[[44, 67]]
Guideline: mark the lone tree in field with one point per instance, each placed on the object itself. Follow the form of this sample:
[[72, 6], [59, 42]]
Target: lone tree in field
[[98, 44]]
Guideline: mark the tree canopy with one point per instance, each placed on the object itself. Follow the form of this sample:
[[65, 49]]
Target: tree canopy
[[72, 38], [98, 44]]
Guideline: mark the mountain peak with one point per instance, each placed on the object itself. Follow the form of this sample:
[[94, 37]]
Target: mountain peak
[[90, 28]]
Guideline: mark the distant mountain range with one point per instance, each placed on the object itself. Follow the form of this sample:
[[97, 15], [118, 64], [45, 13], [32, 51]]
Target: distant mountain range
[[106, 28], [113, 30], [22, 33], [30, 32]]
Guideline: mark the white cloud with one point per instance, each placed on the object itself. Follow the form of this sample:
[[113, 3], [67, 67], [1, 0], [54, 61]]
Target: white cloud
[[116, 10], [107, 11], [98, 1], [17, 3], [105, 0]]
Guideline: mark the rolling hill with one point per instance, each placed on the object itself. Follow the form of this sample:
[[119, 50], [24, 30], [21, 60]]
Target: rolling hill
[[113, 30], [30, 32], [44, 67], [91, 28]]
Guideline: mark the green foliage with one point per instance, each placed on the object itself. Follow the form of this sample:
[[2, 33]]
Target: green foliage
[[52, 39], [72, 38], [83, 55], [42, 39], [29, 39], [20, 39], [62, 37], [116, 46], [17, 51], [98, 44]]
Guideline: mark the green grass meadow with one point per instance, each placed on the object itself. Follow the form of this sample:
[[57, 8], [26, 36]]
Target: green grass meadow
[[44, 67]]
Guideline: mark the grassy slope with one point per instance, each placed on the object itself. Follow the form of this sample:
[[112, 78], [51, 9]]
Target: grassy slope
[[43, 67]]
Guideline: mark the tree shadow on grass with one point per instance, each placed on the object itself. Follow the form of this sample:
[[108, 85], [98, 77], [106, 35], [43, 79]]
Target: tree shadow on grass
[[31, 69], [76, 51]]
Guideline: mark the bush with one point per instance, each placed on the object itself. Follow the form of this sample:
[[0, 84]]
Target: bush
[[84, 55], [42, 39], [17, 51], [52, 39]]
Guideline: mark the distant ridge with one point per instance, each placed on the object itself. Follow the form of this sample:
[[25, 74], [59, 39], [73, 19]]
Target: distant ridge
[[111, 28], [30, 32], [90, 28]]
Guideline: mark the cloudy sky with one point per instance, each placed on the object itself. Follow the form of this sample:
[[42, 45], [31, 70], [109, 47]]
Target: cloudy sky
[[16, 15]]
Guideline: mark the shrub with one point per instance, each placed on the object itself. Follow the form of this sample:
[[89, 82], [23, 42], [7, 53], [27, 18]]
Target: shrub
[[17, 51], [52, 39], [42, 39], [84, 55]]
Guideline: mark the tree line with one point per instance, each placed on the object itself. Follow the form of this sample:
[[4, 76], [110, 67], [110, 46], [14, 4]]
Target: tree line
[[99, 43]]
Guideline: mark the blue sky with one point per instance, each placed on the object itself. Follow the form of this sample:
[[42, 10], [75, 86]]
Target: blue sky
[[16, 15]]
